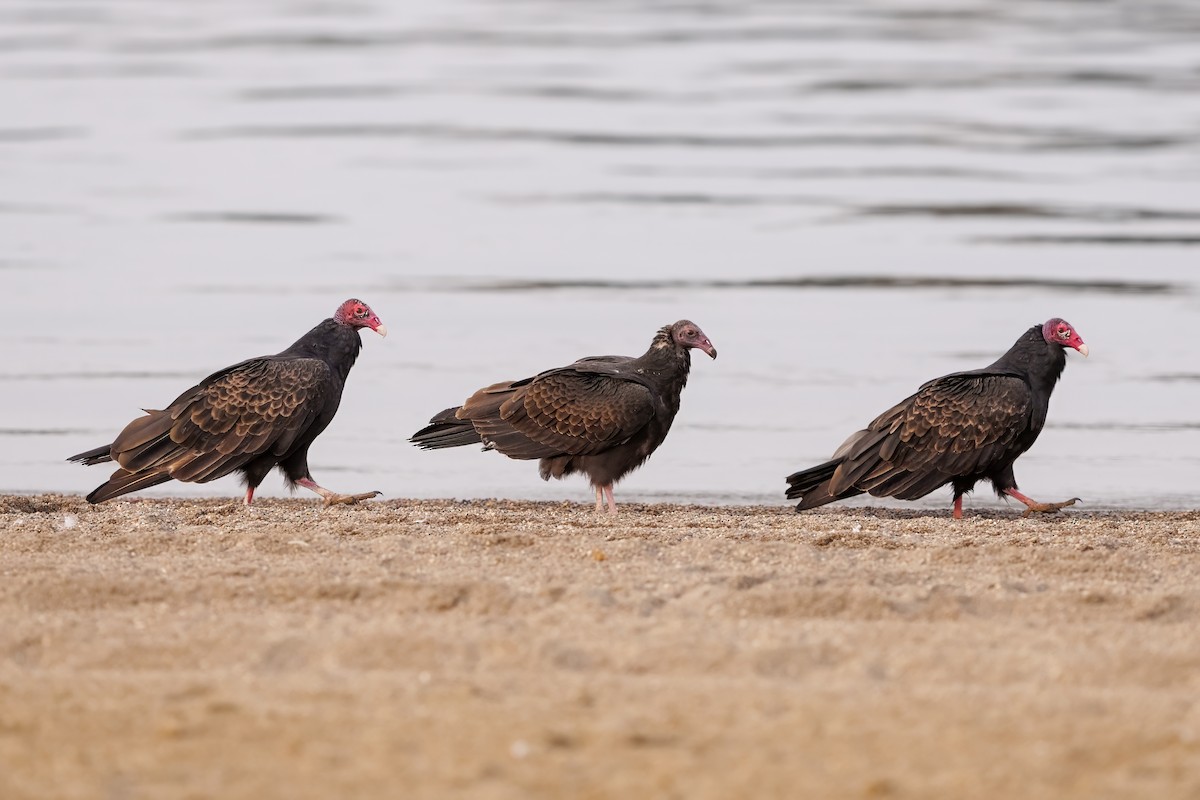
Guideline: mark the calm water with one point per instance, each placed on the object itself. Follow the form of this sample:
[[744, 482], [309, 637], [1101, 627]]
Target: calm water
[[850, 198]]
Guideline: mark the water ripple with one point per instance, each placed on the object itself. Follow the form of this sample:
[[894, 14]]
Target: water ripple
[[782, 173], [589, 138], [480, 38], [94, 376], [1123, 240], [1147, 427], [949, 78], [1174, 377], [46, 134], [665, 199], [1025, 211], [745, 141], [827, 282], [358, 91], [30, 209], [254, 217]]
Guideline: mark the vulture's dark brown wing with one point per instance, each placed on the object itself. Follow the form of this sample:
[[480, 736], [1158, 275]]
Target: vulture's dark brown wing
[[953, 426], [251, 409], [561, 412]]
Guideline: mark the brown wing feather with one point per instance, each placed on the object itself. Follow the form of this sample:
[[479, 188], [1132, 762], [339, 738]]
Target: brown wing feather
[[559, 413], [257, 407], [954, 426]]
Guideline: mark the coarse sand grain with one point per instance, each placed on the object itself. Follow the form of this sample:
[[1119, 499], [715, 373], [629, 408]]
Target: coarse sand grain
[[489, 649]]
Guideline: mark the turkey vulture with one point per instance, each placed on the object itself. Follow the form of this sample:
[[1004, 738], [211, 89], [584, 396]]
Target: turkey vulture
[[247, 418], [602, 416], [957, 429]]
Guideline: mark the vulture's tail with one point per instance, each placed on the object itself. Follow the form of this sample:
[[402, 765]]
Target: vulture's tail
[[446, 430], [811, 486], [124, 482], [97, 456]]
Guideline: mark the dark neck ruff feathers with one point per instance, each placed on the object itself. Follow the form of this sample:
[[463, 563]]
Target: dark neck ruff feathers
[[666, 360], [333, 342], [1040, 361]]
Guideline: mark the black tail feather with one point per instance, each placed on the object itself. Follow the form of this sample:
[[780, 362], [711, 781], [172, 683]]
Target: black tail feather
[[124, 482], [811, 486], [446, 430], [799, 483], [97, 456]]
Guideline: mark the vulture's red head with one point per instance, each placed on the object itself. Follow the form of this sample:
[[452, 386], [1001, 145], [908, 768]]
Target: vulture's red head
[[1059, 331], [688, 334], [358, 314]]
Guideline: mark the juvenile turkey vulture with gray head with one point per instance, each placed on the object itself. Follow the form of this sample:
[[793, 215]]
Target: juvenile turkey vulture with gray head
[[248, 418], [957, 429], [602, 416]]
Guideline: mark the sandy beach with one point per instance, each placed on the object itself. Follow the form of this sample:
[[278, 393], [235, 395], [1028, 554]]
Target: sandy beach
[[171, 649]]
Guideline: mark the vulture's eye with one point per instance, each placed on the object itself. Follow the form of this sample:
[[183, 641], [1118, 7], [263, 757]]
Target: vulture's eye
[[1064, 333]]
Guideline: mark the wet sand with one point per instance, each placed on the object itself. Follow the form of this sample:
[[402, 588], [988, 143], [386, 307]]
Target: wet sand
[[510, 650]]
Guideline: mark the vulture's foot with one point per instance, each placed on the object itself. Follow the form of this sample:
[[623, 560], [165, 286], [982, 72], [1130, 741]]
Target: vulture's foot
[[1048, 508], [1034, 507], [334, 499], [329, 498]]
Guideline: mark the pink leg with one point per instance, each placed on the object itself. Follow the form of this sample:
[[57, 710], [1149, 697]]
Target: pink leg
[[612, 501], [1034, 507], [599, 499], [333, 498], [249, 495], [1014, 494], [958, 507]]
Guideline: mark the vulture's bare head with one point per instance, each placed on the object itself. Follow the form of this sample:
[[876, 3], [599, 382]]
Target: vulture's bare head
[[358, 314], [1060, 332], [687, 334]]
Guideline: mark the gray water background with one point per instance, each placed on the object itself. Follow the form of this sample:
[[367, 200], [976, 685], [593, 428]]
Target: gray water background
[[849, 197]]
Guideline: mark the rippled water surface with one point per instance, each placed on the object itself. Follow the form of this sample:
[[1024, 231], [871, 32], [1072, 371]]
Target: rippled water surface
[[850, 197]]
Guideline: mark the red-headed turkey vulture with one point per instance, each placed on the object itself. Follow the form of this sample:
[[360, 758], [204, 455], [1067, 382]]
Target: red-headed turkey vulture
[[602, 416], [247, 418], [957, 429]]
